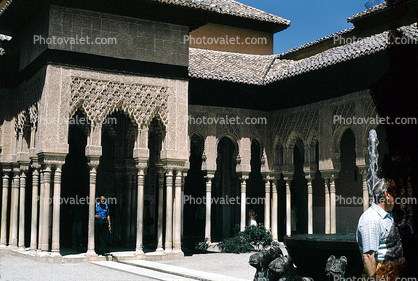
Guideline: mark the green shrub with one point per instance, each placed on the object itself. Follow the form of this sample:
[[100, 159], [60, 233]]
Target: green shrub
[[236, 244], [202, 246], [245, 241], [258, 235]]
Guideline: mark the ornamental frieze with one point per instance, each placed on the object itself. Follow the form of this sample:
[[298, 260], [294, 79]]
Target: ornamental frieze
[[100, 98]]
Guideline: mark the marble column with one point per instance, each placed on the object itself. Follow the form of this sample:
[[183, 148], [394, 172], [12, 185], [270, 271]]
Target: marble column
[[209, 179], [274, 211], [45, 210], [56, 213], [4, 204], [35, 199], [177, 212], [243, 201], [267, 204], [169, 212], [92, 212], [140, 211], [365, 192], [327, 208], [333, 214], [310, 207], [160, 210], [21, 241], [288, 209], [14, 210], [41, 208]]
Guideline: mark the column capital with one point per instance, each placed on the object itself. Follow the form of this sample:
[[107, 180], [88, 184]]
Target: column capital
[[209, 176], [310, 169], [329, 174], [363, 170], [50, 159], [244, 177]]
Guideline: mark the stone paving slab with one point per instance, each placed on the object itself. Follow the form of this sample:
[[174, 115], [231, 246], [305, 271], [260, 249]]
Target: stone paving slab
[[143, 272], [182, 271], [20, 268]]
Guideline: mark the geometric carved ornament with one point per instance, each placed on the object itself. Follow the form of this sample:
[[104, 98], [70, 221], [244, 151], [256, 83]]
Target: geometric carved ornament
[[100, 98]]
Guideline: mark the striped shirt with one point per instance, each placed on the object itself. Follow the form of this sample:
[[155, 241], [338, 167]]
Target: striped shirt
[[373, 230]]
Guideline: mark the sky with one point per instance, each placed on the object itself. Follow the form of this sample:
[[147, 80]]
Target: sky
[[309, 20]]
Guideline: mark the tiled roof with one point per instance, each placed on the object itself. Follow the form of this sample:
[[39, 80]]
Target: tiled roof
[[308, 45], [265, 69], [229, 7], [376, 8], [228, 66]]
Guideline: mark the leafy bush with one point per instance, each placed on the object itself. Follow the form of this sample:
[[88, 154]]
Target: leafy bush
[[258, 235], [247, 240], [202, 246], [236, 244]]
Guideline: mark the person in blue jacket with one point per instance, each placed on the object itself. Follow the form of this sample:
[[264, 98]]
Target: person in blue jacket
[[103, 225]]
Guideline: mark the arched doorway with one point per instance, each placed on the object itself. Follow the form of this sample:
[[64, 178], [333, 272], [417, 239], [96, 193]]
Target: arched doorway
[[348, 186], [298, 189], [74, 185], [116, 177], [155, 139], [255, 183], [225, 217], [194, 187]]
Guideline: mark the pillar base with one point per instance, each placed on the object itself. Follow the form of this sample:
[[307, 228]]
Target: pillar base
[[44, 254], [139, 253], [160, 249], [3, 246], [21, 249], [91, 253], [168, 251], [56, 254], [177, 250]]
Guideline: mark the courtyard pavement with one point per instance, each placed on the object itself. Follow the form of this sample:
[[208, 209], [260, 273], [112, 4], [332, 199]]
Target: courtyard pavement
[[232, 266]]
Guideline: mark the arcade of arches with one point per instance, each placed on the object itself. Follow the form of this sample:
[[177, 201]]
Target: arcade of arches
[[292, 171]]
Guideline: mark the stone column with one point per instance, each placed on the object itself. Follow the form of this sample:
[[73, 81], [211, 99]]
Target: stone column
[[243, 201], [288, 209], [209, 179], [45, 210], [128, 208], [310, 170], [14, 209], [169, 212], [327, 208], [333, 214], [177, 212], [41, 208], [92, 212], [140, 210], [267, 204], [56, 213], [366, 198], [4, 201], [35, 199], [274, 210], [310, 207], [160, 209], [21, 241]]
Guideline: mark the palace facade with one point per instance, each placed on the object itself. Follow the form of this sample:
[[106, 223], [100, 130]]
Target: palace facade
[[158, 118]]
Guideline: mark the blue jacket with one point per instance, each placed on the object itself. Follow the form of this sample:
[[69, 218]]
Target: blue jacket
[[103, 213]]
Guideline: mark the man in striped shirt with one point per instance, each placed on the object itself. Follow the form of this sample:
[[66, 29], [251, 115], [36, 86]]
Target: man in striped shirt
[[378, 238]]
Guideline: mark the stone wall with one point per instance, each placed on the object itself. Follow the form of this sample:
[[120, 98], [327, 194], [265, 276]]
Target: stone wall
[[123, 37]]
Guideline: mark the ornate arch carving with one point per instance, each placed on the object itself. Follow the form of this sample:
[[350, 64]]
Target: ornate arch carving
[[100, 98]]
